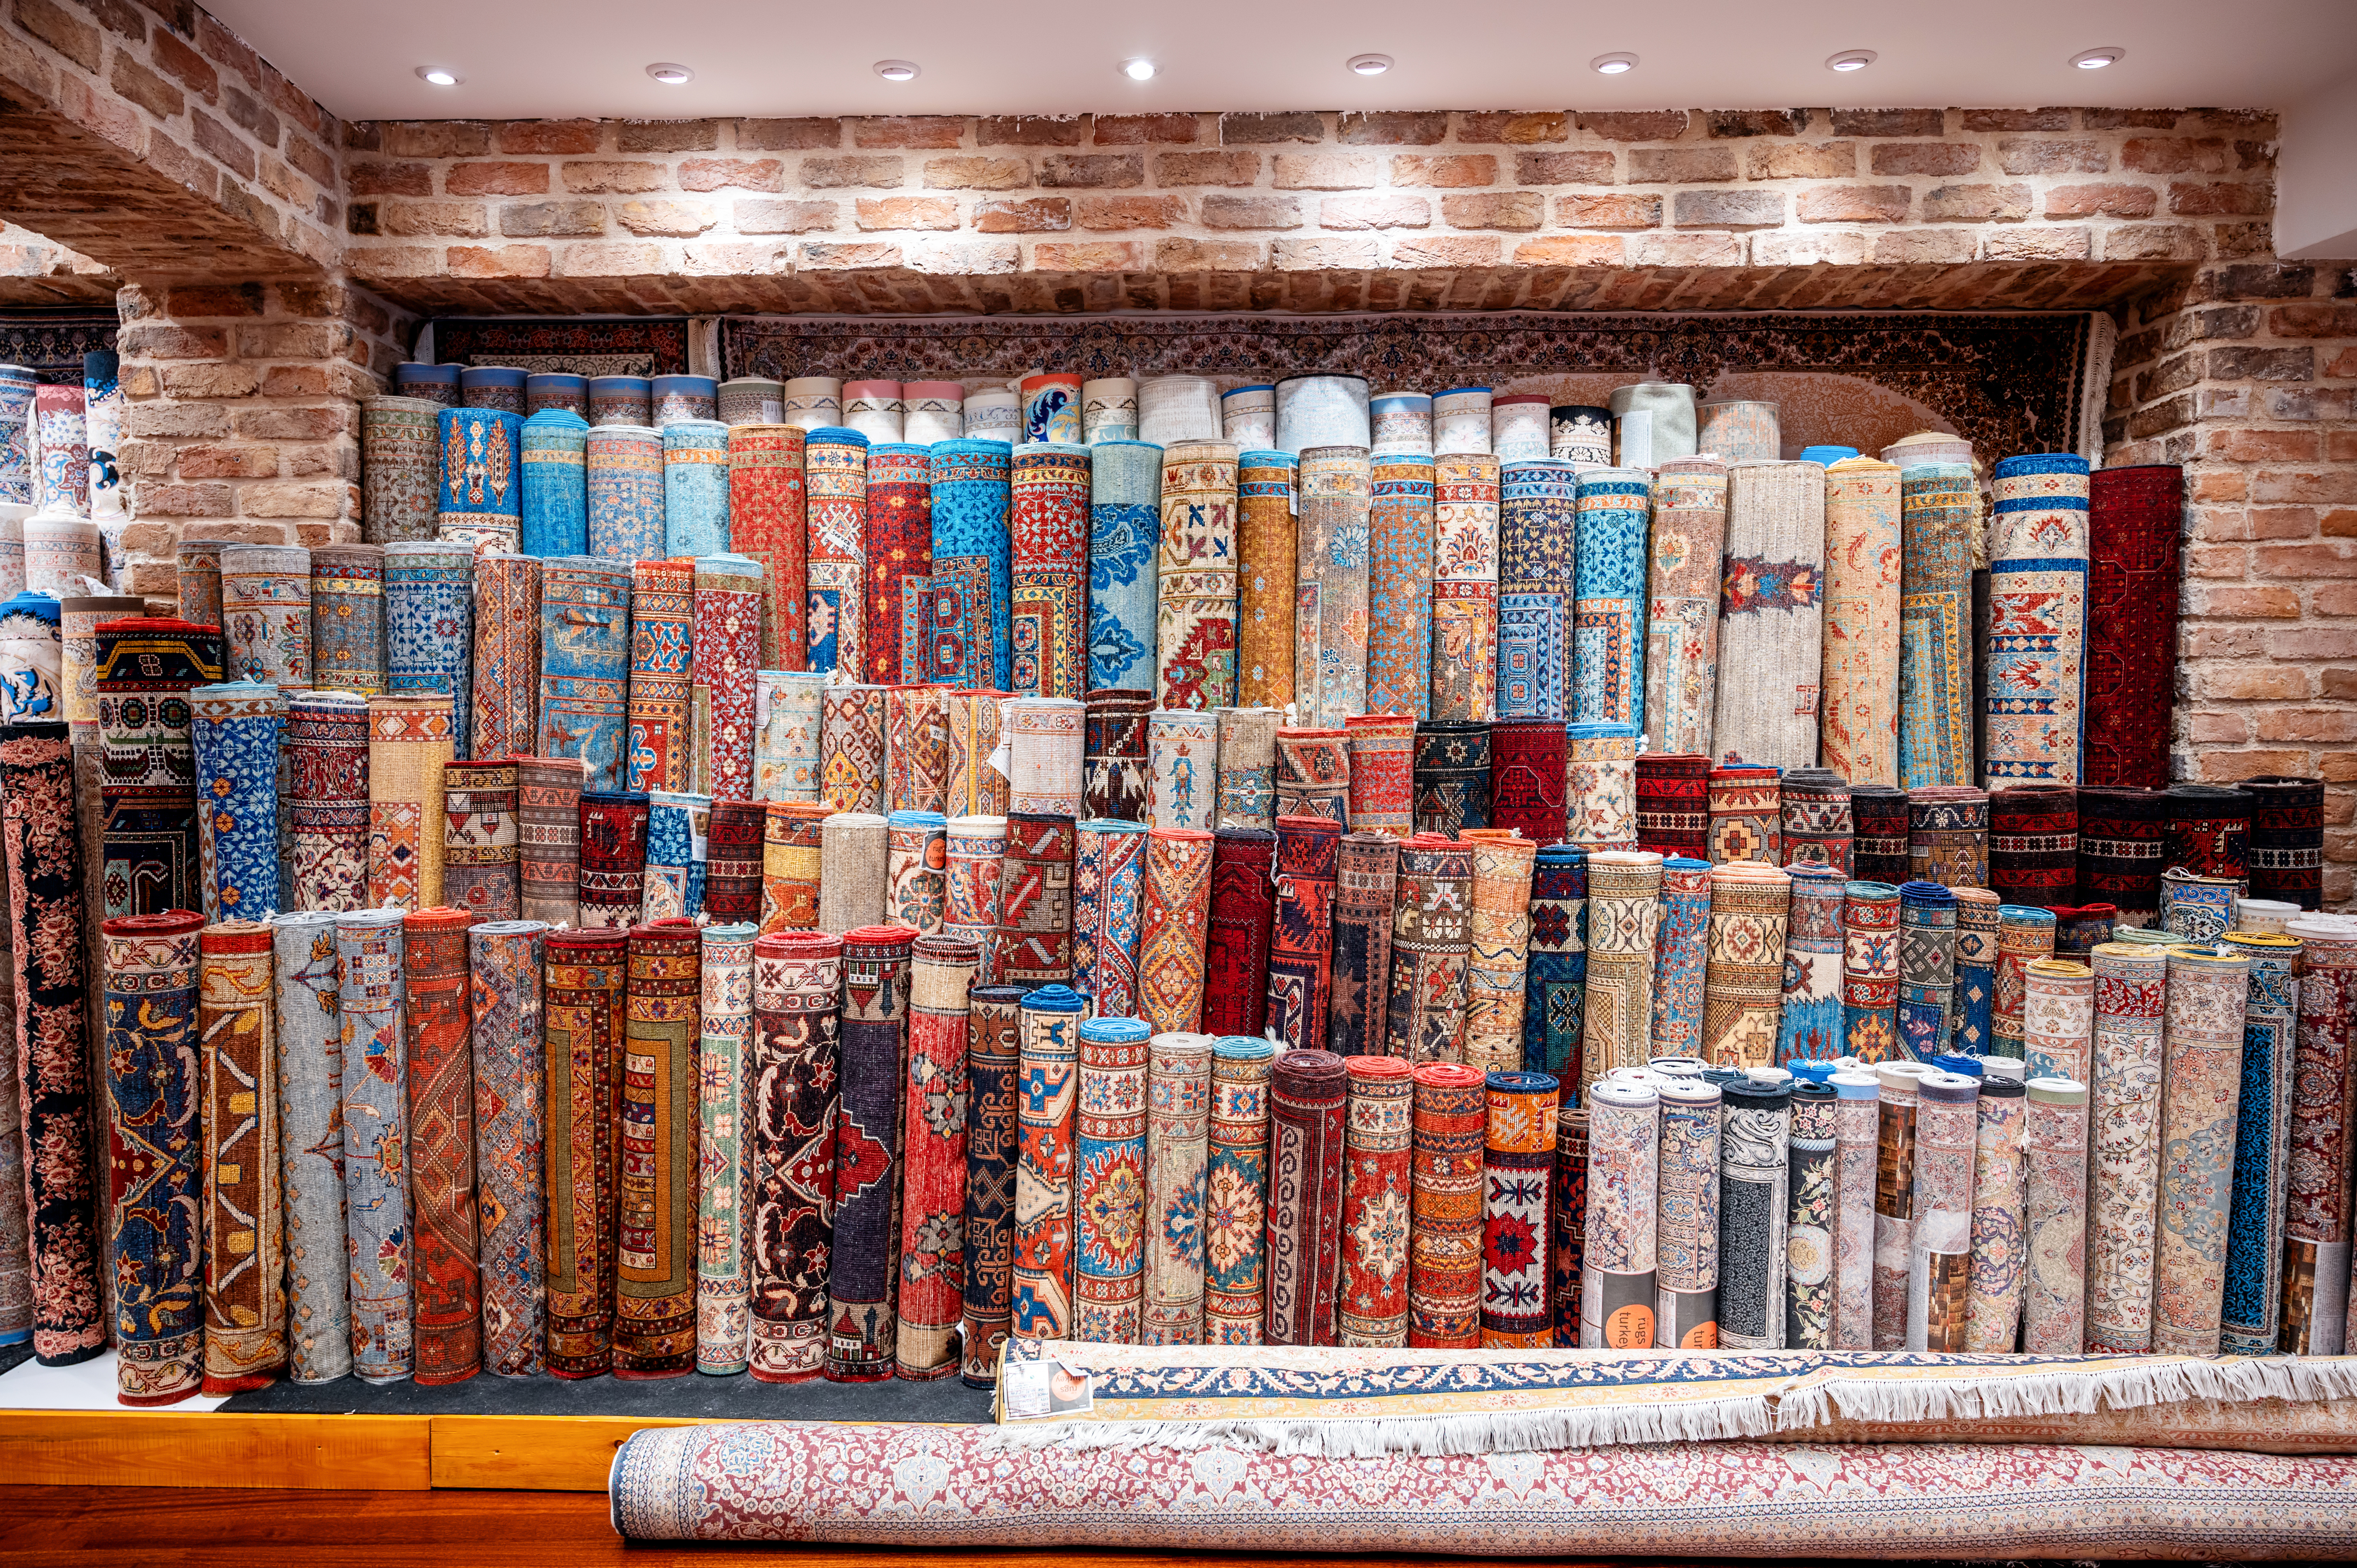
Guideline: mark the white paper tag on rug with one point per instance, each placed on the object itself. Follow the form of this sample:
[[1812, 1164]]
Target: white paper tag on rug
[[1039, 1391]]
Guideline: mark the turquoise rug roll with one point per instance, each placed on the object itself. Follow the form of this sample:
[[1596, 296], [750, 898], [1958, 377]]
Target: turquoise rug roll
[[626, 491], [556, 484], [1125, 538], [1608, 643], [973, 564], [1537, 529], [695, 486]]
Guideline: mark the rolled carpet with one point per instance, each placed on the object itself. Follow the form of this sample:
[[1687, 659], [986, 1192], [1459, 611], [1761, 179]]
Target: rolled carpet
[[727, 637], [1267, 542], [1809, 1027], [1517, 1181], [479, 857], [1109, 1129], [444, 1241], [970, 903], [851, 761], [428, 591], [1673, 804], [1680, 638], [375, 1111], [1465, 587], [1195, 577], [662, 618], [1856, 1145], [505, 973], [1870, 971], [1313, 774], [1879, 852], [1771, 613], [1681, 956], [863, 1275], [504, 720], [1567, 1250], [1047, 1085], [1743, 989], [2134, 520], [1498, 932], [1050, 521], [1554, 995], [1449, 1119], [2059, 1020], [834, 499], [2033, 845], [1247, 797], [1046, 761], [915, 855], [1109, 864], [2054, 1218], [1377, 1203], [1235, 1191], [854, 871], [2035, 712], [1747, 815], [1811, 1218], [993, 1086], [973, 565], [326, 738], [1125, 537], [2122, 849], [1538, 511], [1894, 1198], [145, 668], [1115, 782], [654, 1325], [585, 665], [767, 517], [1687, 1215], [1451, 778], [581, 1009], [1600, 786], [1382, 772], [2209, 830], [401, 454], [1032, 943], [2317, 1169], [1431, 950], [409, 747], [1529, 772], [1331, 623], [235, 731], [732, 883], [1182, 768], [1609, 638], [1177, 1126], [2286, 846], [1623, 917], [1617, 1294], [1400, 571], [1754, 1196], [2200, 1079], [1947, 836], [1174, 911], [1927, 969], [1996, 1276], [2124, 1118], [1366, 895], [1938, 517], [1941, 1219], [1858, 737], [2023, 937], [1301, 932], [1977, 939], [896, 575]]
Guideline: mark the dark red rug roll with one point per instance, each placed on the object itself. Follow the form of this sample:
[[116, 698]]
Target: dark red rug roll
[[1243, 900], [1879, 852], [1673, 804], [1309, 1093], [2286, 853], [1366, 887], [1526, 777], [2034, 843], [2209, 830], [732, 877], [1301, 937], [2123, 834], [1114, 753], [2133, 516]]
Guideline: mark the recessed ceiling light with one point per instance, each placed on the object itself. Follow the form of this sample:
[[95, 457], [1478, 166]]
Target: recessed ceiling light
[[671, 75], [1612, 65], [2096, 60], [1137, 70], [1852, 59], [897, 70], [439, 75], [1371, 65]]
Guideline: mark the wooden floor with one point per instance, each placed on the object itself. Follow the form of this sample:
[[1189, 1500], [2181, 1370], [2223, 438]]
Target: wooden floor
[[446, 1528]]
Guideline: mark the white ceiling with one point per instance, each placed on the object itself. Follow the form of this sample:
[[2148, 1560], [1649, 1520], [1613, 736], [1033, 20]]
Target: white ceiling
[[525, 58]]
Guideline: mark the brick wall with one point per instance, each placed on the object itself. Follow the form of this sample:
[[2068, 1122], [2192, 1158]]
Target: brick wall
[[1671, 209]]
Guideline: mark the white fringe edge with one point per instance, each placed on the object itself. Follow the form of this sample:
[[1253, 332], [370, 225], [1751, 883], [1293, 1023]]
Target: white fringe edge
[[1970, 1394]]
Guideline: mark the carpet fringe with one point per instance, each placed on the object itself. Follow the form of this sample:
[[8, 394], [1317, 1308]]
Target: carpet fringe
[[1804, 1400]]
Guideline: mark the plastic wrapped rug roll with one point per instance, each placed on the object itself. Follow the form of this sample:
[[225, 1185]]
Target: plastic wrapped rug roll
[[444, 1238], [1859, 736], [505, 709], [1655, 422], [973, 612], [741, 400], [1313, 773], [1771, 615], [2250, 1315], [1686, 1220], [1995, 1282], [1235, 1188], [1330, 631], [1248, 415], [1108, 886], [1050, 516], [2134, 519], [1608, 644], [933, 1204], [63, 554], [993, 413], [1109, 410], [1857, 1115], [1174, 409], [851, 747], [554, 493], [895, 579], [481, 503], [811, 403], [1518, 427], [1431, 950], [1617, 1294], [1236, 946], [1810, 1219], [726, 634], [767, 523], [1623, 919], [1174, 910], [834, 498], [873, 408], [1109, 1182], [1400, 565], [266, 614], [2035, 712], [1939, 1275], [1600, 786], [1124, 538], [1680, 636], [1247, 797], [1738, 432], [375, 1116], [585, 665], [1537, 530], [1195, 578], [1308, 1095], [861, 1311], [348, 617], [622, 400], [429, 626], [309, 1083], [1301, 935], [1115, 754], [1033, 942], [1939, 512], [1517, 1178], [1045, 1089], [1366, 895], [1460, 420], [400, 451], [2201, 1078], [1267, 544], [1401, 423], [1046, 741], [1556, 973], [1465, 587], [994, 1057], [2316, 1211], [1754, 1200], [626, 492], [1182, 750], [2125, 1131], [1321, 410], [1870, 971], [498, 387], [1051, 408]]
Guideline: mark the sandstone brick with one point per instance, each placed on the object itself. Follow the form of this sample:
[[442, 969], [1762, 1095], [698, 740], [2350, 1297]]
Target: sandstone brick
[[1573, 250], [787, 135], [195, 301], [1811, 248], [496, 180], [499, 261], [2332, 486], [784, 217], [62, 31], [291, 424], [731, 174], [1529, 128], [2015, 120], [1259, 129], [1727, 208], [1454, 170], [2101, 200], [289, 340], [1687, 249], [1801, 160], [1722, 123], [2241, 364], [209, 380], [676, 220], [1391, 128], [1236, 168], [184, 500], [667, 135], [1324, 171], [145, 88], [249, 115], [1031, 131], [1888, 123], [612, 258], [169, 340], [964, 258], [225, 48], [1325, 255], [1564, 168], [2177, 155], [2193, 201], [522, 219], [2071, 243], [978, 174], [1680, 165], [605, 177], [2242, 602], [1926, 157], [1004, 215], [1855, 204], [547, 138], [1976, 204], [1112, 212], [1088, 256], [2237, 446], [1378, 210], [1252, 212], [743, 258], [1096, 171], [2152, 243], [1139, 130], [2026, 154], [905, 212], [1447, 251], [1495, 210], [874, 173], [1640, 125], [1607, 212], [459, 220], [1180, 254], [226, 463], [1923, 247], [222, 144], [919, 131], [436, 138], [291, 501], [312, 158], [191, 70], [2236, 239], [827, 256], [2321, 319]]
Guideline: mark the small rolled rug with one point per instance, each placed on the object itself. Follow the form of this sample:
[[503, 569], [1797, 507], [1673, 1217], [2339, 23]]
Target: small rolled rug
[[1810, 1025], [326, 740], [1465, 587], [1041, 1301], [266, 614], [1754, 1199], [480, 854], [1498, 932], [853, 882], [375, 1112], [505, 967], [2058, 1019], [975, 846], [1927, 969], [233, 730], [1109, 862], [1810, 1219], [896, 568], [308, 1072], [1115, 781], [1400, 571], [585, 665], [144, 669], [1976, 941], [1673, 804], [1366, 884], [1529, 768], [1195, 577], [1939, 519], [1301, 932], [1125, 537], [1870, 971], [2196, 908], [2287, 845], [932, 1141], [1947, 1120], [1049, 522], [2023, 936], [732, 882], [677, 848], [581, 1009], [791, 850], [245, 1304], [2315, 1165], [973, 557], [2209, 830], [1046, 761], [1174, 910], [409, 745], [1747, 815], [348, 617], [994, 1044], [655, 1327], [1109, 1190], [786, 762], [429, 628], [916, 855], [504, 717], [1617, 1294], [851, 747], [834, 492], [1309, 1093], [1178, 1125], [2123, 1116], [1567, 1248], [1817, 827], [1856, 1136], [1247, 797], [481, 503], [1600, 786], [1538, 512], [553, 488], [2122, 849], [1947, 836], [1993, 1303], [198, 571], [1329, 627], [1858, 737], [1431, 950], [1554, 994], [1235, 1192], [1377, 1203], [1686, 1216], [660, 748], [2134, 519], [1771, 613], [1313, 774], [1623, 921], [2079, 928], [625, 490], [2033, 844], [155, 1111], [1878, 853], [1267, 542], [863, 1334], [1451, 778], [1681, 636], [444, 1241], [1381, 796], [1237, 945], [2054, 1218], [1032, 943], [1743, 989], [401, 455], [2035, 710], [1517, 1181], [1182, 769], [2201, 1076]]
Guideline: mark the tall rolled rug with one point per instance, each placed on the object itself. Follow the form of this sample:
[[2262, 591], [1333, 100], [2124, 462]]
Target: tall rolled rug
[[973, 552], [1617, 1294], [400, 458], [1673, 803], [726, 638], [1499, 935], [1108, 1132], [1195, 578], [1818, 825], [1608, 600], [2124, 1115], [1235, 1191], [1857, 1155], [2286, 849], [309, 1073], [2134, 524], [1125, 540], [1994, 1280], [1174, 912], [1809, 1027], [994, 1060], [1182, 752], [1050, 522], [504, 719], [154, 1109], [585, 665], [654, 1324], [2034, 717], [1870, 971], [1940, 1230], [1939, 522], [1567, 1250], [2057, 1020], [428, 591], [1109, 869], [2250, 1301], [1554, 994], [767, 519], [1858, 736], [864, 1273], [1878, 848], [1331, 621], [1377, 1203], [2316, 1267], [1754, 1200], [326, 738], [1309, 1097], [1267, 545], [1894, 1198], [896, 575], [1366, 895], [1313, 774], [505, 972], [1431, 949], [659, 746], [1465, 587], [376, 1114], [1927, 969], [790, 1096], [1537, 533], [1517, 1183], [1046, 1089], [1400, 570], [1687, 1215], [1236, 946], [1811, 1218], [1033, 944], [834, 498], [1301, 934], [1681, 631], [1976, 939], [626, 491], [235, 731], [410, 743], [1743, 989], [1177, 1127], [1771, 615], [933, 1139], [445, 1257], [1623, 917], [582, 1008], [348, 617], [851, 747]]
